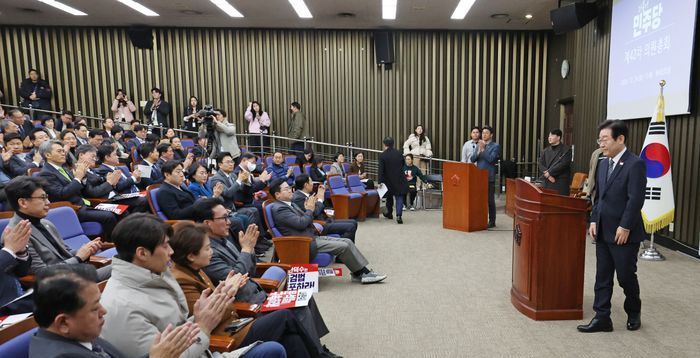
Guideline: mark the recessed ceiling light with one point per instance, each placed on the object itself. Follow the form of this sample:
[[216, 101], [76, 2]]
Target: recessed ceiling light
[[227, 8], [138, 7], [389, 9], [64, 7], [301, 9], [462, 9], [528, 16]]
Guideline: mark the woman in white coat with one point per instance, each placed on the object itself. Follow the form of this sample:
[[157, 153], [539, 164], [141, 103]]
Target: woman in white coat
[[418, 144]]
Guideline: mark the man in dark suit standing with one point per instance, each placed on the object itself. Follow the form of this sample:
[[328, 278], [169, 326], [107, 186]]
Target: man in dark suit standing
[[617, 227], [555, 164], [70, 318], [486, 157], [391, 174]]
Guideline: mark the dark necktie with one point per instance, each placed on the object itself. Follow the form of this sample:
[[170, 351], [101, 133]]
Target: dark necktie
[[99, 351], [611, 167]]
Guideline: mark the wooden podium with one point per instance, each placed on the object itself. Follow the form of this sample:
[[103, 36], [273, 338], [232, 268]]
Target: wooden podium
[[549, 238], [464, 197]]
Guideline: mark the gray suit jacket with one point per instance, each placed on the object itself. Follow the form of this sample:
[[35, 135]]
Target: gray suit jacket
[[224, 261], [295, 222], [45, 344], [298, 198], [230, 188], [43, 253]]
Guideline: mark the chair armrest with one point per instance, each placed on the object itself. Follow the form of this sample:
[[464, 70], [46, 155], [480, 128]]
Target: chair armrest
[[266, 265], [271, 285], [96, 201], [221, 344], [292, 249], [245, 309], [100, 261], [27, 281]]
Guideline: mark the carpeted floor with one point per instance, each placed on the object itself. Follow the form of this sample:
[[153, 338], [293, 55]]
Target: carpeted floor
[[447, 295]]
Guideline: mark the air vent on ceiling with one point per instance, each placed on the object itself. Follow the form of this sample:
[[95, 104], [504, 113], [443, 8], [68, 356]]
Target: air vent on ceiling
[[190, 12], [28, 10]]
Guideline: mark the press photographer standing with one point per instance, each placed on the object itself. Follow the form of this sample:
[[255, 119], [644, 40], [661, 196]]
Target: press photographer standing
[[224, 136]]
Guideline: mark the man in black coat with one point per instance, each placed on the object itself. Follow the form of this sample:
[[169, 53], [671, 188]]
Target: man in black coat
[[35, 92], [303, 189], [157, 111], [391, 174], [555, 164], [617, 226]]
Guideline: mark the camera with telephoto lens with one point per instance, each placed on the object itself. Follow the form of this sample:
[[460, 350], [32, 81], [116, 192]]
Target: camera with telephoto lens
[[207, 115]]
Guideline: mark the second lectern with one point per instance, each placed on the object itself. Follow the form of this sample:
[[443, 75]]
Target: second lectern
[[549, 238], [464, 197]]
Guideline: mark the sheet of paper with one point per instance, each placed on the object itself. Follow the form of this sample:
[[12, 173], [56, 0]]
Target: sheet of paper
[[145, 170], [382, 189]]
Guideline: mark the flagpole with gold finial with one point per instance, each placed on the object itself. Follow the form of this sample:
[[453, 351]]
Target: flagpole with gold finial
[[651, 253]]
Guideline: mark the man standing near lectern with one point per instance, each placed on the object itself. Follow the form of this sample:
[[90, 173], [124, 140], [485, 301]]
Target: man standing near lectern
[[555, 164], [616, 226]]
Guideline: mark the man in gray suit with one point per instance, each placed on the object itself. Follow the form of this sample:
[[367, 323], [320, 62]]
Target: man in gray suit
[[292, 220], [46, 247], [303, 190], [70, 318]]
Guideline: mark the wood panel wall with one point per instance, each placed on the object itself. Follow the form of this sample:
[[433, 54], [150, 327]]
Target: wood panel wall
[[446, 80], [588, 52]]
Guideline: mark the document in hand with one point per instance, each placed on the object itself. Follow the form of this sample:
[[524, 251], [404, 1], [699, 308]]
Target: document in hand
[[382, 189], [145, 170]]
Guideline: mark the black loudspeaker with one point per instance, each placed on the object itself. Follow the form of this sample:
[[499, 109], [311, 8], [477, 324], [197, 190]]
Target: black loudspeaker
[[384, 47], [572, 17], [141, 37]]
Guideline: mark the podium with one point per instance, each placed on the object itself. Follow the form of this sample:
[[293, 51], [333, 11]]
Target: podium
[[549, 238], [464, 197]]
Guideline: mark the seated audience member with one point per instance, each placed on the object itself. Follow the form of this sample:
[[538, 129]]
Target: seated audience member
[[165, 153], [150, 157], [49, 126], [292, 220], [81, 133], [358, 167], [174, 199], [107, 127], [36, 137], [280, 170], [109, 162], [142, 274], [141, 134], [169, 135], [68, 185], [96, 136], [317, 173], [412, 174], [109, 179], [65, 121], [178, 151], [227, 258], [14, 262], [199, 176], [30, 202], [95, 186], [235, 190], [337, 166], [200, 150], [306, 158], [117, 139], [24, 125], [192, 252], [12, 159], [9, 127], [70, 318], [70, 142], [304, 189]]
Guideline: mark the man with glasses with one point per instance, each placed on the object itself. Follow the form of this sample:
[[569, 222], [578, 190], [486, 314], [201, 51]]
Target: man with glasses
[[46, 247], [67, 185]]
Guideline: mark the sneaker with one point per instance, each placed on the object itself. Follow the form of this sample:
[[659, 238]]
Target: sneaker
[[369, 277], [412, 208]]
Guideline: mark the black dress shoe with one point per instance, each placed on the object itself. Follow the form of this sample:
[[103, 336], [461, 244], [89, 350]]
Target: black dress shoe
[[398, 220], [328, 354], [389, 216], [634, 322], [597, 325]]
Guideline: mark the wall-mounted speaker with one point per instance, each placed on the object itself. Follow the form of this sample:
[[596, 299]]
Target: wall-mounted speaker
[[384, 47], [141, 37], [572, 17]]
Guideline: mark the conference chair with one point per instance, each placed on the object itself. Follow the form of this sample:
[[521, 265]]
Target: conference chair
[[15, 340], [295, 169], [92, 229], [293, 249], [268, 161], [187, 143], [66, 221], [346, 204], [290, 159], [307, 169], [371, 196], [576, 187], [151, 192]]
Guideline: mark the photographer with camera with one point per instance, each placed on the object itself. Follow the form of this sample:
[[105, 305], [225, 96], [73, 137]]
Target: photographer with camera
[[190, 117], [220, 132], [122, 107]]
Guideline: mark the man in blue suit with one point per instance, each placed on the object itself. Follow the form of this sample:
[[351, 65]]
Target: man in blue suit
[[616, 226], [14, 262], [486, 157]]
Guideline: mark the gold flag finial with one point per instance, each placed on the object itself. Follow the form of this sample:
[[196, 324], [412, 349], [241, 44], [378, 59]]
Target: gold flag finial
[[660, 103]]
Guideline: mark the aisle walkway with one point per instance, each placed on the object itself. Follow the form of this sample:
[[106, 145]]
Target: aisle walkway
[[447, 295]]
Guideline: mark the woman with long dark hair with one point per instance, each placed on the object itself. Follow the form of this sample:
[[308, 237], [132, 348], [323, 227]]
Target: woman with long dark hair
[[122, 107], [70, 142], [418, 144], [190, 118], [358, 167], [258, 123]]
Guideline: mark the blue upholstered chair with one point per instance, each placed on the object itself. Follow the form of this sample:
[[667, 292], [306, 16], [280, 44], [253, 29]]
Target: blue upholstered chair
[[346, 204], [370, 195]]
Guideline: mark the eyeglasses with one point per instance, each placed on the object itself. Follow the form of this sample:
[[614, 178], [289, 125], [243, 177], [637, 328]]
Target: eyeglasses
[[602, 140], [44, 197], [225, 218], [286, 188]]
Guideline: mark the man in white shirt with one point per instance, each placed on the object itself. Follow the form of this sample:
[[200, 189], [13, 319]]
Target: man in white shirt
[[472, 145]]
